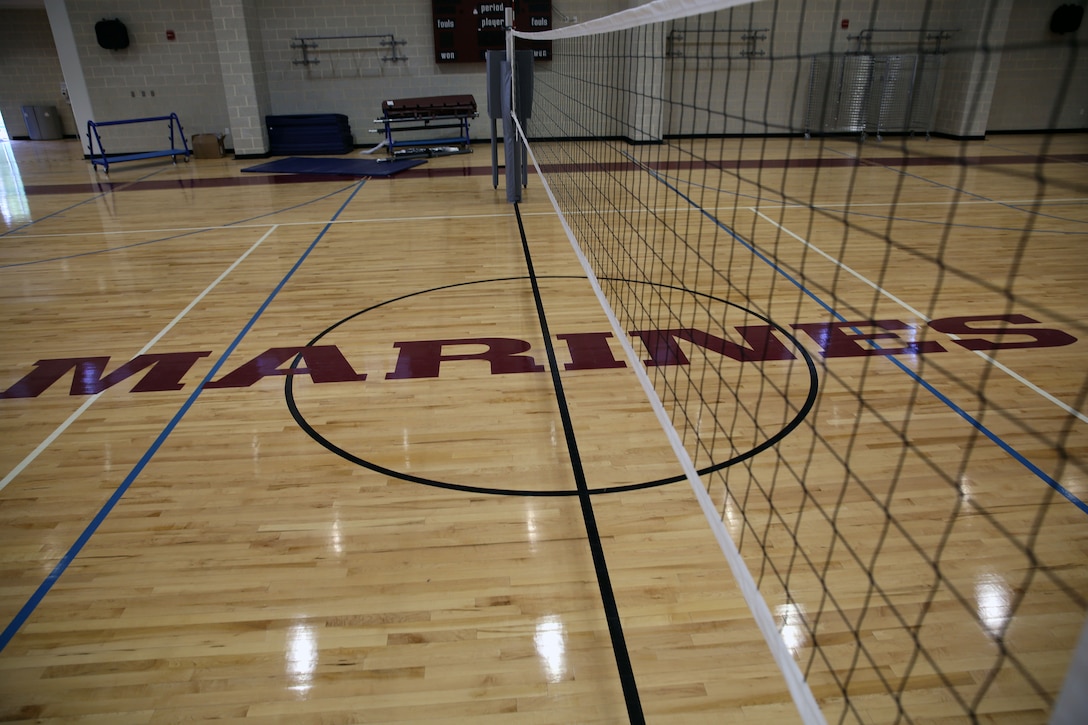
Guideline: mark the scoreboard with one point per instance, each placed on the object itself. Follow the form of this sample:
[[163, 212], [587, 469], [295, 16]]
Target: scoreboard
[[466, 29]]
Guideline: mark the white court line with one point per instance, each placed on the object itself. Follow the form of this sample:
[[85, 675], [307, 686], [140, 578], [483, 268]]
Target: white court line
[[1000, 366], [762, 205], [228, 227], [162, 333], [1001, 202]]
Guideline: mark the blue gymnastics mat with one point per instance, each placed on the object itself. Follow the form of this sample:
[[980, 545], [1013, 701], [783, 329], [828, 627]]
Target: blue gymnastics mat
[[342, 167]]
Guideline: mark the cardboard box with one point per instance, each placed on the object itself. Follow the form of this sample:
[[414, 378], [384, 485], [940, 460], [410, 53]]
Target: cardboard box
[[207, 146]]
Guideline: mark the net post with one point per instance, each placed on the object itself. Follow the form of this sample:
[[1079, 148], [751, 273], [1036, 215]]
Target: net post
[[1072, 704], [510, 48], [510, 140]]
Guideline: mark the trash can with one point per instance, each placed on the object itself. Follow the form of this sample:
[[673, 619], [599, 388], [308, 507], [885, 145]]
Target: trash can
[[42, 123]]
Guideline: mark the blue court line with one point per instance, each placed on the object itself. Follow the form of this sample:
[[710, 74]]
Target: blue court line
[[833, 210], [62, 565], [1016, 455]]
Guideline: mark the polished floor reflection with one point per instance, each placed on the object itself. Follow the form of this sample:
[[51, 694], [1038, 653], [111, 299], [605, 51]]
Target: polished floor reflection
[[291, 449]]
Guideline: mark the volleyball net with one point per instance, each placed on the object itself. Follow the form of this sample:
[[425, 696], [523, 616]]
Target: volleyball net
[[863, 326]]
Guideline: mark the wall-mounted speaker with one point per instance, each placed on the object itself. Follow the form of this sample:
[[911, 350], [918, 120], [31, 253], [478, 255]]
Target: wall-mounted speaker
[[1066, 19], [111, 34]]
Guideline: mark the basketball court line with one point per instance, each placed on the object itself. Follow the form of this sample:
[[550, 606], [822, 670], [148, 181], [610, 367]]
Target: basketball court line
[[882, 163], [181, 234], [243, 224], [78, 204], [1011, 205], [850, 205], [189, 183], [1053, 158], [1014, 205], [446, 172], [925, 318], [497, 215], [585, 500], [945, 400], [844, 160], [30, 457], [978, 200], [111, 503], [707, 211], [798, 688], [11, 475]]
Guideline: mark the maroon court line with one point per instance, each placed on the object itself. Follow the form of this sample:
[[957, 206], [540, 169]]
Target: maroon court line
[[437, 173], [162, 184]]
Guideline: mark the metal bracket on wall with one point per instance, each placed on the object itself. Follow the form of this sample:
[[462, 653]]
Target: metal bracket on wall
[[903, 40], [309, 47], [677, 42]]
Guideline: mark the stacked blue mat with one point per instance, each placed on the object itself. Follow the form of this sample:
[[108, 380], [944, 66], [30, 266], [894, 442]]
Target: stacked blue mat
[[309, 133], [335, 167]]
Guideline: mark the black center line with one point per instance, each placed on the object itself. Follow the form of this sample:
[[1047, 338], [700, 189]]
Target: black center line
[[608, 597]]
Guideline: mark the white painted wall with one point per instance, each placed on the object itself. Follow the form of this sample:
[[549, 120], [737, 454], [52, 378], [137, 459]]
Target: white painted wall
[[30, 69], [1045, 83], [155, 76]]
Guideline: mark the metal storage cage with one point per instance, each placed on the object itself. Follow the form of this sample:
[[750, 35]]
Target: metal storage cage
[[867, 92]]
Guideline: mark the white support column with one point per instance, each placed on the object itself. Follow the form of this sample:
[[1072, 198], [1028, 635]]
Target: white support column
[[968, 78], [245, 81], [70, 65]]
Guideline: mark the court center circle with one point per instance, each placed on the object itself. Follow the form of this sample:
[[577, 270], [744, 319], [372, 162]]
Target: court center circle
[[361, 450]]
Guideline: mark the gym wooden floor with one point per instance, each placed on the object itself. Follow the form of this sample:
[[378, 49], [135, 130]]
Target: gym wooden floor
[[409, 547]]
